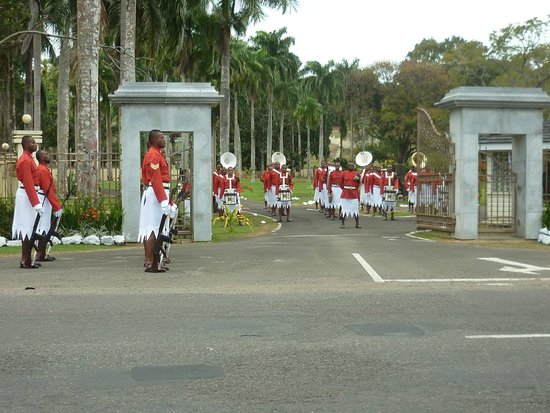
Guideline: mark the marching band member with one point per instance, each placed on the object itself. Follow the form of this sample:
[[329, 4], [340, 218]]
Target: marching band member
[[321, 175], [375, 182], [366, 197], [265, 180], [349, 182], [155, 175], [284, 193], [231, 185], [316, 194], [410, 186], [274, 182], [334, 191], [390, 183], [27, 204], [215, 185], [48, 199], [218, 190]]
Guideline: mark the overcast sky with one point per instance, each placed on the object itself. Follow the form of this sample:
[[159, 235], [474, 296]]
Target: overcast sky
[[387, 30]]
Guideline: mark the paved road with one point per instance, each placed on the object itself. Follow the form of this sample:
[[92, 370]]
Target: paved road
[[310, 318]]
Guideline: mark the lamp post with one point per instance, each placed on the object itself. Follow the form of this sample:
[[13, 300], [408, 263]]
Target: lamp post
[[18, 134]]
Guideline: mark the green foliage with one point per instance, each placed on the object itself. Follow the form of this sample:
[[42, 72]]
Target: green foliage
[[232, 218], [546, 216], [6, 217], [86, 216]]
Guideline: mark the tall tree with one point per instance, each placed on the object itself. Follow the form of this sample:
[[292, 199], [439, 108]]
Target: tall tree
[[127, 41], [88, 19], [326, 84], [236, 15], [308, 113], [282, 65]]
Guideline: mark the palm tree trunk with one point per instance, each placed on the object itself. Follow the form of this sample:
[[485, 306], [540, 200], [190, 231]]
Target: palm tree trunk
[[299, 147], [37, 80], [127, 41], [252, 140], [308, 155], [63, 108], [269, 127], [321, 142], [88, 14], [281, 127], [27, 104], [225, 104], [109, 142], [350, 133], [237, 135]]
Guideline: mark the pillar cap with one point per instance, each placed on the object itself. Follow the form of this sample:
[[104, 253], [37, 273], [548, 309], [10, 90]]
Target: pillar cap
[[166, 93], [495, 97]]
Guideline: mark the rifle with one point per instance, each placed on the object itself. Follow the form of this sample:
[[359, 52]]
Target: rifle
[[34, 238], [54, 226], [159, 252], [182, 195]]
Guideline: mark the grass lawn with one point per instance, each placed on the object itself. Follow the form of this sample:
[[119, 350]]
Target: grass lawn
[[219, 233], [254, 191]]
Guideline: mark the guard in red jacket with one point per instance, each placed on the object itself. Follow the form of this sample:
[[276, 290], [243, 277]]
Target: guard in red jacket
[[27, 204], [334, 191], [155, 176], [410, 186], [284, 194], [349, 182], [390, 183], [46, 195], [265, 180]]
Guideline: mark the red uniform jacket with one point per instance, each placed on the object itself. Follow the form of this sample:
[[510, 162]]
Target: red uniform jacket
[[227, 182], [45, 180], [321, 178], [215, 177], [287, 181], [367, 181], [350, 184], [265, 179], [410, 181], [390, 179], [154, 172], [375, 179], [333, 179], [274, 178], [25, 169]]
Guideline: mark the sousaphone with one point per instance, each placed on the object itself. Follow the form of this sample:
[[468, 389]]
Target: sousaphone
[[419, 160], [278, 157], [228, 160], [363, 158]]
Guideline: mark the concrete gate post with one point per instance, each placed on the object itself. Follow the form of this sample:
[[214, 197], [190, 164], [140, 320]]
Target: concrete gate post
[[515, 112], [178, 107]]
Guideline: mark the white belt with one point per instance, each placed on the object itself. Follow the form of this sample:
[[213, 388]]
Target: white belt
[[349, 187], [335, 185], [36, 187], [165, 185]]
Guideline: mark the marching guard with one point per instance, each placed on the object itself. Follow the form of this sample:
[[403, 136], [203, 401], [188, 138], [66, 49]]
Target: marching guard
[[28, 208], [284, 194], [155, 205], [410, 186], [349, 182], [334, 191], [49, 201], [391, 186]]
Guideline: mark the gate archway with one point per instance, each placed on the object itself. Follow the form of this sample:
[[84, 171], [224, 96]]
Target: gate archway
[[435, 179]]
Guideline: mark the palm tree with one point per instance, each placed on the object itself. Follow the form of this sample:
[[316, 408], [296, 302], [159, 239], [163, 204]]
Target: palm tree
[[286, 99], [282, 65], [308, 113], [236, 15], [88, 22], [324, 82]]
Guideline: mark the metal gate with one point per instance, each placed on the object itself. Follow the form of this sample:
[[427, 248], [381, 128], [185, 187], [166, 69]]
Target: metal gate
[[435, 180], [497, 194]]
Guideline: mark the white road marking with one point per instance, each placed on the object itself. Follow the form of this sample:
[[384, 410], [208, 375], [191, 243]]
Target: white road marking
[[410, 235], [374, 275], [447, 280], [511, 336], [512, 266]]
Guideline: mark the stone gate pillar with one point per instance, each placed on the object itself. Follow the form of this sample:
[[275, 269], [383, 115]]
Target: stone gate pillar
[[178, 107], [515, 112]]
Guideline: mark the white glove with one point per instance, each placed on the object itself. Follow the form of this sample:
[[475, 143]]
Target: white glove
[[58, 213], [165, 207], [39, 209], [173, 211]]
